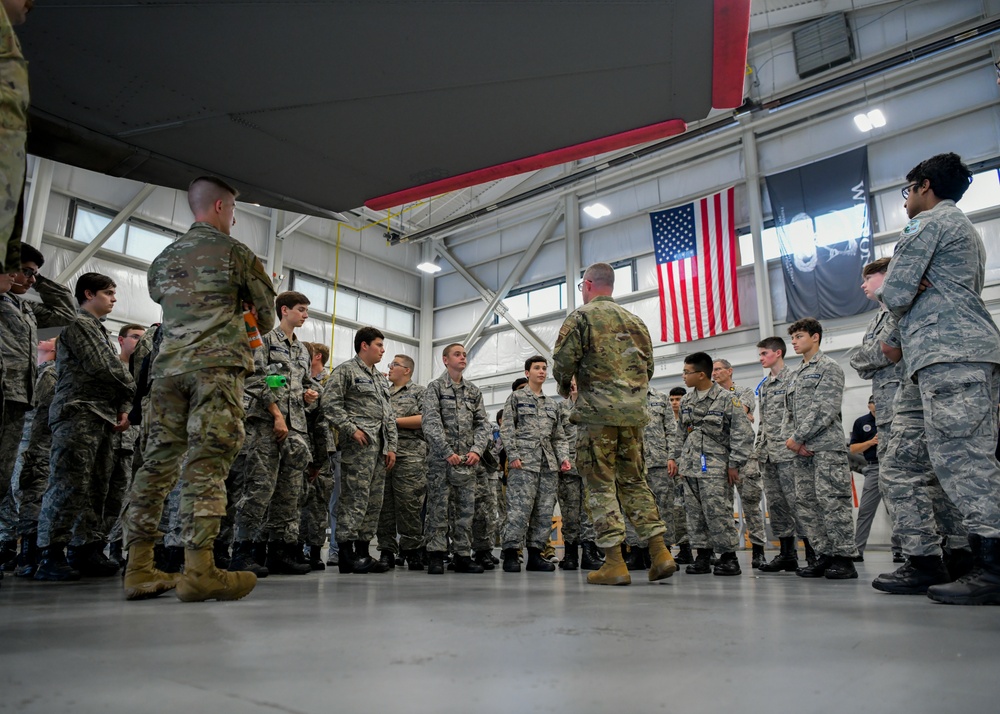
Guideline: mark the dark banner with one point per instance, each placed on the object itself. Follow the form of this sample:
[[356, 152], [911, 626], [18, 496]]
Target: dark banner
[[821, 215]]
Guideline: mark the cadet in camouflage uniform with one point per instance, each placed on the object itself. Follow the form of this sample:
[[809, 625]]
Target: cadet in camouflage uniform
[[822, 475], [536, 452], [319, 474], [577, 528], [357, 404], [773, 456], [277, 449], [92, 399], [608, 350], [951, 347], [714, 442], [486, 522], [456, 429], [31, 470], [659, 441], [14, 112], [406, 482], [19, 323], [203, 282], [748, 487]]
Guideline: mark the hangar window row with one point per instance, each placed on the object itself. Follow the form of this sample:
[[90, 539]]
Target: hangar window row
[[550, 296], [134, 237], [354, 306]]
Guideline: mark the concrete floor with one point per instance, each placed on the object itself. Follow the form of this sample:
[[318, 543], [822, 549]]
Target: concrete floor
[[409, 642]]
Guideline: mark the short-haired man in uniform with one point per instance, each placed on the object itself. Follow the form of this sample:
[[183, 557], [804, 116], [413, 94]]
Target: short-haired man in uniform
[[203, 281], [609, 351]]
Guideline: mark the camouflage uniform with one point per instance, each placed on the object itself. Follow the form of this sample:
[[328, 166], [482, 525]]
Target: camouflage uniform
[[952, 350], [406, 483], [532, 433], [774, 457], [120, 478], [316, 491], [92, 389], [870, 363], [357, 397], [19, 323], [823, 481], [486, 518], [659, 440], [196, 403], [268, 507], [454, 423], [749, 485], [31, 470], [576, 524], [608, 350], [14, 113], [713, 435]]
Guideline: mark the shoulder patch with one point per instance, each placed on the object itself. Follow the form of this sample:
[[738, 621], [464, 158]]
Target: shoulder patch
[[912, 227], [736, 402]]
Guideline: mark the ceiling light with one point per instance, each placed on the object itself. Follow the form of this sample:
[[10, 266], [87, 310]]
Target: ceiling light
[[874, 119], [597, 210], [430, 266], [863, 122]]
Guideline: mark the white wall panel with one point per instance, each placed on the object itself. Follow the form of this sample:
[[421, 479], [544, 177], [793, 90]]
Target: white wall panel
[[616, 241], [57, 214], [457, 320], [452, 287], [548, 264]]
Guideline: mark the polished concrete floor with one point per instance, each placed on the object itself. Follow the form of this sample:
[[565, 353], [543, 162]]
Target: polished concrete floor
[[409, 642]]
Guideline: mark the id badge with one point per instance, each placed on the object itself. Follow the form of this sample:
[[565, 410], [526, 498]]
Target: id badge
[[704, 464]]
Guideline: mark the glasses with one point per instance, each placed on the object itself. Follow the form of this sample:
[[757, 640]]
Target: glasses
[[580, 286], [697, 371], [906, 190], [394, 364], [29, 272]]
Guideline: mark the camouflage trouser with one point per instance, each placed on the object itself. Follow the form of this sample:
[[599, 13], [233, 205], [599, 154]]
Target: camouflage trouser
[[447, 484], [750, 494], [486, 521], [10, 439], [664, 489], [405, 488], [197, 417], [13, 167], [921, 511], [268, 506], [531, 499], [779, 485], [31, 472], [79, 467], [960, 409], [316, 502], [362, 487], [501, 489], [872, 494], [576, 524], [334, 500], [610, 460], [118, 486], [709, 501], [823, 501]]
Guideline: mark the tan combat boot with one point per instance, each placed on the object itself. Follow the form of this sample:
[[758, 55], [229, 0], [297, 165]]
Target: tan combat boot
[[142, 579], [203, 581], [663, 564], [613, 572]]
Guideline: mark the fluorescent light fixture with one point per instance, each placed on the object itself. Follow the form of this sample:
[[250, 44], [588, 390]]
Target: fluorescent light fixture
[[597, 210], [430, 266], [874, 119]]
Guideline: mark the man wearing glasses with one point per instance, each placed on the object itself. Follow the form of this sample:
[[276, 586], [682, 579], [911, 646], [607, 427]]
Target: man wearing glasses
[[19, 323], [609, 351]]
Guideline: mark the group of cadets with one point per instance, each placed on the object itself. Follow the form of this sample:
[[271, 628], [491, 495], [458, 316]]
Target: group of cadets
[[369, 456]]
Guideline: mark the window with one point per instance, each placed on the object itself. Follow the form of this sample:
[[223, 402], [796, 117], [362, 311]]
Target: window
[[551, 297], [135, 238], [983, 192], [354, 307]]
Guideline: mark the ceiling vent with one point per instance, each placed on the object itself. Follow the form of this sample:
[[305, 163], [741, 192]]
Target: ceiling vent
[[822, 44]]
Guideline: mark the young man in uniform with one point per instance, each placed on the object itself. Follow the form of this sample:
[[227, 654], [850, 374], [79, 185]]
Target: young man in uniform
[[319, 474], [578, 530]]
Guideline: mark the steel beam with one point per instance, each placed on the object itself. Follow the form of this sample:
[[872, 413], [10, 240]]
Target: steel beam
[[38, 202], [762, 281]]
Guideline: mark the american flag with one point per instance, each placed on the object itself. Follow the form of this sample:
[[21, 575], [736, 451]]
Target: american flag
[[695, 246]]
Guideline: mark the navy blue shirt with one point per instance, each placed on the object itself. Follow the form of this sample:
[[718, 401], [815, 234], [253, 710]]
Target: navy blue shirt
[[864, 429]]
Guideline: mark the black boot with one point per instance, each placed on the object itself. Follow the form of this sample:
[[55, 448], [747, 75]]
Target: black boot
[[435, 562], [684, 555], [842, 568], [959, 562], [465, 564], [316, 557], [787, 560], [243, 560], [415, 559], [485, 559], [702, 564], [28, 558], [510, 564], [981, 586], [281, 560], [8, 555], [115, 554], [571, 557], [758, 557], [913, 577], [387, 560], [160, 556], [90, 560], [174, 559], [363, 561], [810, 553], [537, 563], [898, 557], [52, 565], [591, 556], [260, 552], [220, 549], [345, 560], [728, 565], [817, 569]]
